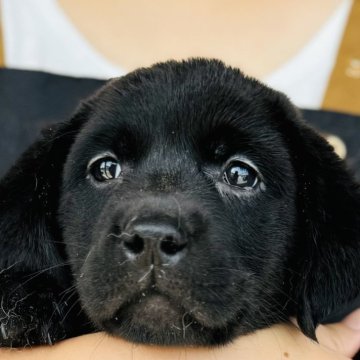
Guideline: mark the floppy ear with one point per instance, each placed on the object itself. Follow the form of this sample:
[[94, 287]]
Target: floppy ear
[[326, 259], [29, 198], [32, 264]]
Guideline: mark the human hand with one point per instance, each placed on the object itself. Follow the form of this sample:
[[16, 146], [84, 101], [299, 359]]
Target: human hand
[[343, 337]]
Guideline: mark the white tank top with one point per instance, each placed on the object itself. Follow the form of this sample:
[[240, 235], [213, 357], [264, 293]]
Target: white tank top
[[39, 36]]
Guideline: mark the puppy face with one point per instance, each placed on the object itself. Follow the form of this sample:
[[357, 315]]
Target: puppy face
[[194, 205], [178, 208]]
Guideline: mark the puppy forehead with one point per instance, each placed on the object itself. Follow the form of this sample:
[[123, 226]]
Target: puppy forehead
[[185, 110]]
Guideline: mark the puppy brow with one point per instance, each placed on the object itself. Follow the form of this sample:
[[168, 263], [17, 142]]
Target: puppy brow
[[124, 140], [220, 142]]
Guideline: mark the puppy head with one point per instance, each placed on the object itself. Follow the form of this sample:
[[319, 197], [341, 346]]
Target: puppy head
[[194, 206]]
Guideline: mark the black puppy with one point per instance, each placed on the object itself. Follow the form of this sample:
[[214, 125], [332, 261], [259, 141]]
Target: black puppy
[[182, 204]]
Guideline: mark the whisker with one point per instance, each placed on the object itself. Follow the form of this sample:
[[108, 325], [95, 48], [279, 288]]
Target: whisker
[[68, 312], [146, 274], [11, 266], [38, 273]]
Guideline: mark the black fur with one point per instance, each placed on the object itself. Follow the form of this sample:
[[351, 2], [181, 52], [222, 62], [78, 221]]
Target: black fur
[[243, 259]]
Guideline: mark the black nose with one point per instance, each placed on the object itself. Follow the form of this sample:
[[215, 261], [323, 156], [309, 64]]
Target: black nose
[[163, 241]]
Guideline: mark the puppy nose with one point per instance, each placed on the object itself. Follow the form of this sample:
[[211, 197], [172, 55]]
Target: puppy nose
[[163, 241]]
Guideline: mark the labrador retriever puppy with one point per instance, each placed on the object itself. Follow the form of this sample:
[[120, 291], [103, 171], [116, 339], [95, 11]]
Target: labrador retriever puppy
[[182, 204]]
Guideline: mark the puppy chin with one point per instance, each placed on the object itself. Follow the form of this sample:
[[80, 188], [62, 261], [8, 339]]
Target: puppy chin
[[156, 319], [152, 314], [158, 322]]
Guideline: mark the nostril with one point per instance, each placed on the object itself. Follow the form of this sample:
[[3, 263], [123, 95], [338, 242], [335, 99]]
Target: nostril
[[135, 244], [170, 246], [161, 241]]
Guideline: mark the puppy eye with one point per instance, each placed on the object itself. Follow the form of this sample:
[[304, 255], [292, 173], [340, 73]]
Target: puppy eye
[[105, 169], [240, 175]]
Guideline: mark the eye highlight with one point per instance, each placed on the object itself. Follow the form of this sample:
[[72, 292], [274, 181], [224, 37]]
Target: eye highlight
[[241, 175], [105, 169]]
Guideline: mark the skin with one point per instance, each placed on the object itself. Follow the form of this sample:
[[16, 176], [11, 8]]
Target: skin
[[343, 337], [279, 342]]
